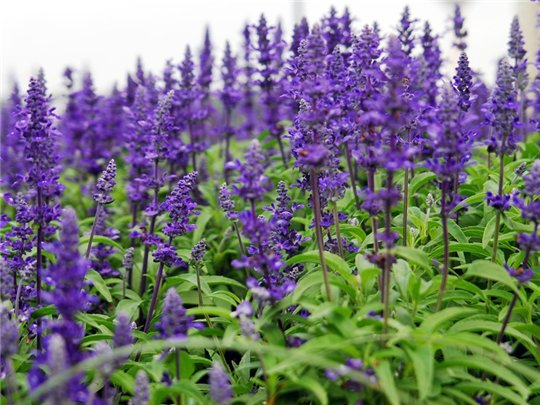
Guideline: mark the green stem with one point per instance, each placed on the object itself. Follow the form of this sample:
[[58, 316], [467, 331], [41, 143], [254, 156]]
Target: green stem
[[444, 221], [405, 207], [338, 232], [318, 230]]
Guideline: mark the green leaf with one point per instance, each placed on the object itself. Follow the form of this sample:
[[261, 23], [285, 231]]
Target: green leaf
[[202, 220], [422, 358], [387, 383], [312, 385], [334, 261], [489, 230], [182, 387], [420, 180], [488, 366], [99, 284], [434, 321], [415, 256], [100, 239], [491, 271]]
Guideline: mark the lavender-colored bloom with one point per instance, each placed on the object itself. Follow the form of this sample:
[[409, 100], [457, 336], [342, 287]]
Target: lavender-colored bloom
[[517, 53], [463, 82], [269, 55], [142, 389], [220, 385], [498, 202], [57, 363], [123, 332], [139, 123], [520, 274], [162, 128], [12, 151], [105, 184], [300, 32], [230, 93], [9, 334], [226, 203], [251, 183], [247, 105], [451, 148], [35, 127], [180, 206], [248, 329], [243, 309], [127, 261], [206, 62], [502, 112], [459, 31], [67, 274], [7, 290], [174, 322], [198, 252], [406, 31], [284, 237], [431, 65]]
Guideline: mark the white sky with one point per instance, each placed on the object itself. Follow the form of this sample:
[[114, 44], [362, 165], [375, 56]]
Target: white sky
[[106, 36]]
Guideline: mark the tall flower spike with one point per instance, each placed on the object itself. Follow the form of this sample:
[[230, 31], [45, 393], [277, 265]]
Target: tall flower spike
[[9, 334], [142, 389], [463, 82], [502, 112], [198, 251], [220, 385], [123, 332], [105, 184], [180, 206], [226, 203], [251, 183], [459, 31], [517, 53], [174, 321], [406, 31], [57, 363]]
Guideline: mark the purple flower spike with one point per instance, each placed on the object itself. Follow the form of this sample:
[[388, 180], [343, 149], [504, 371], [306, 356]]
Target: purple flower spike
[[105, 184], [174, 322], [520, 274], [220, 385], [459, 31]]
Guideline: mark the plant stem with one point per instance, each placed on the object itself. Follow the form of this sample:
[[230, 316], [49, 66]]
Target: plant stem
[[242, 250], [132, 242], [406, 207], [498, 214], [444, 221], [387, 262], [374, 226], [151, 230], [177, 356], [39, 262], [507, 318], [155, 293], [93, 231], [338, 232], [318, 230], [352, 176]]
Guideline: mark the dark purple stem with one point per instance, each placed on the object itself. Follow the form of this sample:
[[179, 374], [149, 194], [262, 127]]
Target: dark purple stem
[[444, 221], [39, 262]]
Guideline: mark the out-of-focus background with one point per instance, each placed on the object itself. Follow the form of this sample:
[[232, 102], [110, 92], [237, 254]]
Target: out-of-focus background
[[106, 36]]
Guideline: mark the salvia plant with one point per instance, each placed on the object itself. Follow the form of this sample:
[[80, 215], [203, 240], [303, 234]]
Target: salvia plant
[[343, 216]]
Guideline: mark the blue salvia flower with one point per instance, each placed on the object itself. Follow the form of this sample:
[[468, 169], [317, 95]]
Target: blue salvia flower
[[12, 151], [406, 31], [174, 321], [517, 53], [459, 31], [463, 82], [142, 389], [105, 184], [220, 385]]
